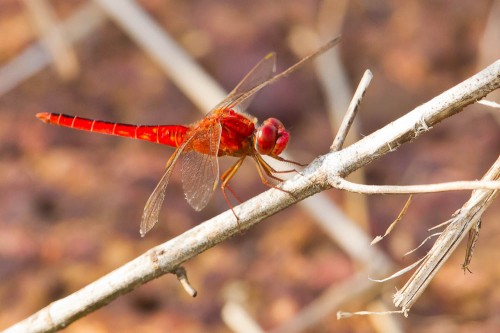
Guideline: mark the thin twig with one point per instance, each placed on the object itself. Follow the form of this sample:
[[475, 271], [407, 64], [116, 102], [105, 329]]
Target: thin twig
[[343, 184], [394, 223], [421, 243], [339, 140], [183, 279], [343, 314], [322, 306], [490, 104], [336, 85]]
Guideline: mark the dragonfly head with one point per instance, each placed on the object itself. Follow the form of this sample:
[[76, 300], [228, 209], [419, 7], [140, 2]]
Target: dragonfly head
[[271, 138]]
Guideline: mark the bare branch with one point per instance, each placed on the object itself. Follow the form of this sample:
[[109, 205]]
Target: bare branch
[[180, 66], [468, 217], [320, 175], [490, 104], [53, 38], [343, 184], [35, 58]]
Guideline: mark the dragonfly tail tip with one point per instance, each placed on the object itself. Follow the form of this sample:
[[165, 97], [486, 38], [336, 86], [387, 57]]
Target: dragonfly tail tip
[[43, 116]]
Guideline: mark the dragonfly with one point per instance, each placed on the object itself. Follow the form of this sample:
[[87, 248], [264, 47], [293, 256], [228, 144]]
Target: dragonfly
[[225, 131]]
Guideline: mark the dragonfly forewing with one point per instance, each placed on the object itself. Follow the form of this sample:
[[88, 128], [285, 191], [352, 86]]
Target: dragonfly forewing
[[262, 72], [153, 206], [200, 166]]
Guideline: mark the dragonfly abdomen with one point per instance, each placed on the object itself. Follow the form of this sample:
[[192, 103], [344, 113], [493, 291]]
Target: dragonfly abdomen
[[171, 135]]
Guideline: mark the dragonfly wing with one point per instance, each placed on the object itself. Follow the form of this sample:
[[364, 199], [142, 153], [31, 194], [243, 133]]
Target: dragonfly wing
[[243, 92], [260, 73], [155, 201], [200, 167]]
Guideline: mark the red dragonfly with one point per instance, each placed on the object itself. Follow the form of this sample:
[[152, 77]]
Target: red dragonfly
[[225, 130]]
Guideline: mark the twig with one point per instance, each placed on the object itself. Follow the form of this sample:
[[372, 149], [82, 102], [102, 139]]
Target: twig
[[490, 104], [182, 277], [468, 216], [339, 140], [343, 314], [422, 243], [237, 318], [335, 83], [394, 223], [343, 184], [400, 272], [168, 256], [332, 298]]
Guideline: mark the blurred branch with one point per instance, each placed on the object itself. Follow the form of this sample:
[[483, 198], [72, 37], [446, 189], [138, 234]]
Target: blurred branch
[[237, 295], [318, 177], [332, 298], [35, 58], [337, 89], [237, 318], [53, 37], [189, 77], [489, 46]]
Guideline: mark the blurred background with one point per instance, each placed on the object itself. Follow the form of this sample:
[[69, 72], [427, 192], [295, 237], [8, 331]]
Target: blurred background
[[71, 202]]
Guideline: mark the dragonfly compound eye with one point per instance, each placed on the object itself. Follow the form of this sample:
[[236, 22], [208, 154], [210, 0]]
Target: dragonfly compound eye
[[272, 138]]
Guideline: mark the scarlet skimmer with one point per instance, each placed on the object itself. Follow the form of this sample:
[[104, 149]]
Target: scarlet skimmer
[[225, 130]]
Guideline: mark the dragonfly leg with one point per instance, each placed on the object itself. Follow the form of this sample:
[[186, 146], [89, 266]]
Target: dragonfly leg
[[225, 178], [264, 167], [233, 193], [281, 159]]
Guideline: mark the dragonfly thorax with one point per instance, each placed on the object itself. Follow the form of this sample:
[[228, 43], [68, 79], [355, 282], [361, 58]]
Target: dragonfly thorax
[[271, 137]]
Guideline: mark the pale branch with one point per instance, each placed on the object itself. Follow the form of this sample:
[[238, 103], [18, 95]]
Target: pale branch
[[183, 279], [53, 38], [466, 218], [35, 58], [352, 110], [181, 68], [412, 124], [490, 104], [319, 176], [343, 184]]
